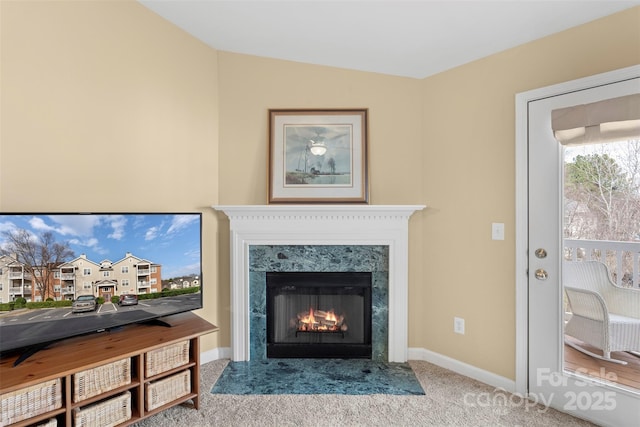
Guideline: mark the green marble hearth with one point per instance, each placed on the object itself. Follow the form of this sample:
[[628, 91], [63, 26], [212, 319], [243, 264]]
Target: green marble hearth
[[317, 376]]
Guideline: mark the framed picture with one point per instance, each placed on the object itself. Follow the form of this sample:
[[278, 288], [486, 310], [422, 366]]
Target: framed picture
[[318, 156]]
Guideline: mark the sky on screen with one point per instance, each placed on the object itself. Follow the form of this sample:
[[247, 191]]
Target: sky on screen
[[172, 240]]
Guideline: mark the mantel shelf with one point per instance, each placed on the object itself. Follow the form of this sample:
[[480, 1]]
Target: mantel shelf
[[318, 211]]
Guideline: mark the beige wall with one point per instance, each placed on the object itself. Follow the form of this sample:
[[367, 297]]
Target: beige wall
[[134, 115], [107, 107], [469, 182], [250, 86]]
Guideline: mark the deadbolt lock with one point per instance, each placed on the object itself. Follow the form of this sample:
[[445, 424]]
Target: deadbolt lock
[[541, 253]]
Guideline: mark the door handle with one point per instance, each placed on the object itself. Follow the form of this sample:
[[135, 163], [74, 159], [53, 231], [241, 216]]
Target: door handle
[[541, 274]]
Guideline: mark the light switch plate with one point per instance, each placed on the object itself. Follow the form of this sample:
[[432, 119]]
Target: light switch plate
[[497, 231]]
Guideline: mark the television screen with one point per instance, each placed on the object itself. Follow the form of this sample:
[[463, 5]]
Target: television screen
[[67, 274]]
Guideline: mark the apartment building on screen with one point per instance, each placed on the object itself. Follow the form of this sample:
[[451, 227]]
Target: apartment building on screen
[[80, 276]]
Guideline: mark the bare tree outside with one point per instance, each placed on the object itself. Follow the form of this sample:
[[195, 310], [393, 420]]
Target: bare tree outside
[[602, 192], [39, 255], [602, 195]]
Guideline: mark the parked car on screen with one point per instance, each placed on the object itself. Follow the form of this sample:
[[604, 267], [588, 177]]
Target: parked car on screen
[[128, 300], [84, 303]]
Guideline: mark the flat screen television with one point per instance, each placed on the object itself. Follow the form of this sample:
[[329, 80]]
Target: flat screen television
[[68, 274]]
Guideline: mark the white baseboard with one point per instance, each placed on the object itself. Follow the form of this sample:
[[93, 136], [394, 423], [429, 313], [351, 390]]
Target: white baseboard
[[463, 368], [215, 354]]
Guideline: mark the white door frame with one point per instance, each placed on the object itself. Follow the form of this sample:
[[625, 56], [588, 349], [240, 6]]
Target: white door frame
[[522, 208]]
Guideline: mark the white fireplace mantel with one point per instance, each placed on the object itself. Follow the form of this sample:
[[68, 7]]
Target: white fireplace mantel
[[320, 225]]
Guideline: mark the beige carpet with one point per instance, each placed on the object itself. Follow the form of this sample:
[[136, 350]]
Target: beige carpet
[[450, 400]]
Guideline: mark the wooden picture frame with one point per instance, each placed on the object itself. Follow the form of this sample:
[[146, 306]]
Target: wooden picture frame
[[318, 156]]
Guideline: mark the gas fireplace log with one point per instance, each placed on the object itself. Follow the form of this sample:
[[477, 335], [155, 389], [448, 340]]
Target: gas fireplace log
[[325, 322]]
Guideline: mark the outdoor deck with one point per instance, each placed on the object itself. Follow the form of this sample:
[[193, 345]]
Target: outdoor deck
[[626, 375], [623, 260]]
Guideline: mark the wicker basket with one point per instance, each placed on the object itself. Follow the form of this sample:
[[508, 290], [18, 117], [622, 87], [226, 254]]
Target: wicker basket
[[30, 401], [95, 381], [166, 358], [51, 422], [166, 390], [104, 414]]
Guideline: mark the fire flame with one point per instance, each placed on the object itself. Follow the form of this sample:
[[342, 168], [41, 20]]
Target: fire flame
[[320, 321]]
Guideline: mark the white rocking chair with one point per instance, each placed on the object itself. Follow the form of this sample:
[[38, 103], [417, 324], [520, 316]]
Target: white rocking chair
[[604, 315]]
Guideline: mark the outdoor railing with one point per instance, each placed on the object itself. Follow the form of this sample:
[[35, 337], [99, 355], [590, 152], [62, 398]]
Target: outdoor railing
[[622, 258]]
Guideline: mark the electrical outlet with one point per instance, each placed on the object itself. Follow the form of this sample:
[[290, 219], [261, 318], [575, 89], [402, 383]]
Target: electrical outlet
[[458, 325]]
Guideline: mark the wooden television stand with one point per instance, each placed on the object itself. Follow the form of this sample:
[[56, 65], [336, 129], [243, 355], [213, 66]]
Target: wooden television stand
[[151, 355]]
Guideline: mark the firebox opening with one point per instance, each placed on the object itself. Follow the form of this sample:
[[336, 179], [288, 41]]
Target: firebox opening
[[319, 315]]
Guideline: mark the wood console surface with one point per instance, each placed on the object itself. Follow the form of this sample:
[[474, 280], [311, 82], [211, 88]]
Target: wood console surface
[[67, 356]]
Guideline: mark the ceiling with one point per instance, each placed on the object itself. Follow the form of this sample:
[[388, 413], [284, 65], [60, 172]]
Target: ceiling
[[415, 38]]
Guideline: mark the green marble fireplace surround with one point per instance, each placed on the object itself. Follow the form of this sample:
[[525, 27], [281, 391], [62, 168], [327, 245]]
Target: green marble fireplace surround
[[319, 258]]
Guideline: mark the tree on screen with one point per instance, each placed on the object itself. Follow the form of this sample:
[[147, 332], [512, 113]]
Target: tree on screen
[[40, 256]]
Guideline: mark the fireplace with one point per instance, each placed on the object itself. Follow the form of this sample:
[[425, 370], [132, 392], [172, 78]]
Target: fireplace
[[261, 228], [318, 314], [311, 269]]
